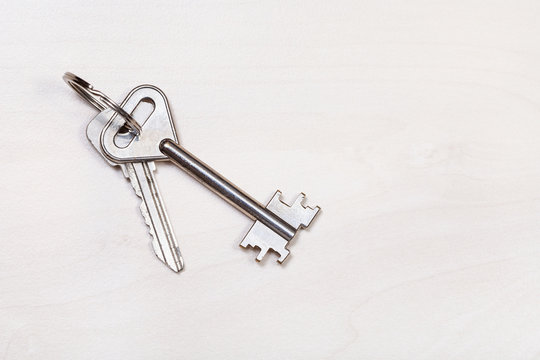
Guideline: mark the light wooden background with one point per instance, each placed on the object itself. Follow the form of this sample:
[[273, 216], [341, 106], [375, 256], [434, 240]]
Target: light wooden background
[[415, 125]]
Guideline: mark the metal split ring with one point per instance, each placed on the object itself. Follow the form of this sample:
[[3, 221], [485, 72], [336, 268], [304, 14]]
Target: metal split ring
[[100, 101]]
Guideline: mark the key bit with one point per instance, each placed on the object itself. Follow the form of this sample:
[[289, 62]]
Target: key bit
[[297, 215]]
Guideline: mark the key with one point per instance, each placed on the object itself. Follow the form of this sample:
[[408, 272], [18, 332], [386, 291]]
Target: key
[[141, 173], [275, 225]]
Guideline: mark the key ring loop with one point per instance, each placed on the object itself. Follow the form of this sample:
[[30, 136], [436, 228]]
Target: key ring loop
[[99, 100]]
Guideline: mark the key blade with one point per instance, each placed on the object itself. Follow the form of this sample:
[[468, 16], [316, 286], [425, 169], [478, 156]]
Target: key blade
[[164, 243]]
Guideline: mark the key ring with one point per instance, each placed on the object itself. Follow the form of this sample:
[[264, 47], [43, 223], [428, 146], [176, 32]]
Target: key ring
[[100, 101]]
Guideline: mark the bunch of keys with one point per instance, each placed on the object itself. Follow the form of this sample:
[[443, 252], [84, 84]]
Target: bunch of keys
[[135, 148]]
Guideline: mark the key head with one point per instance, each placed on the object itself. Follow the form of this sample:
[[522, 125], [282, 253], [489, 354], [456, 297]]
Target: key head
[[121, 147]]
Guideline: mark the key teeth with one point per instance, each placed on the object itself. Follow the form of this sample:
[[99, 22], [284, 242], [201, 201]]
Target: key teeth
[[314, 211], [175, 266], [263, 250], [283, 256], [261, 254], [300, 200], [148, 221], [297, 214], [262, 238]]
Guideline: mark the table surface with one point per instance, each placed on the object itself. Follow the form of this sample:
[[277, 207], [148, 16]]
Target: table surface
[[414, 125]]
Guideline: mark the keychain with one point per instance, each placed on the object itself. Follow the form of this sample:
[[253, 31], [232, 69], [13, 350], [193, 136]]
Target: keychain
[[135, 147]]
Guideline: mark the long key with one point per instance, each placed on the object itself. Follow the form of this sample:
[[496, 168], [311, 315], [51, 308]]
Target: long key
[[275, 225], [141, 176]]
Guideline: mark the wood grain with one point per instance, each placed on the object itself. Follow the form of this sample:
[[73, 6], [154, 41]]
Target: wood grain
[[414, 125]]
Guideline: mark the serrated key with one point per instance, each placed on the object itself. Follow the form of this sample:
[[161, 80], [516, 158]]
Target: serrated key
[[141, 176]]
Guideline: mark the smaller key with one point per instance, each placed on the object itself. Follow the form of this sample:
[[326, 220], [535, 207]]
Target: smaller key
[[141, 176]]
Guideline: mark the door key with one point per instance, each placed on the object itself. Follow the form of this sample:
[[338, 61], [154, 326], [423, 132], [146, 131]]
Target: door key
[[140, 172], [275, 225]]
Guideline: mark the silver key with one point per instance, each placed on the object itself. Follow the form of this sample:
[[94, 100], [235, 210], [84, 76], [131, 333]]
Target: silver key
[[141, 172], [275, 225]]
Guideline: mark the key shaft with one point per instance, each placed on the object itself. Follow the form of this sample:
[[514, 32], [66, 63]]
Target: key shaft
[[225, 189]]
